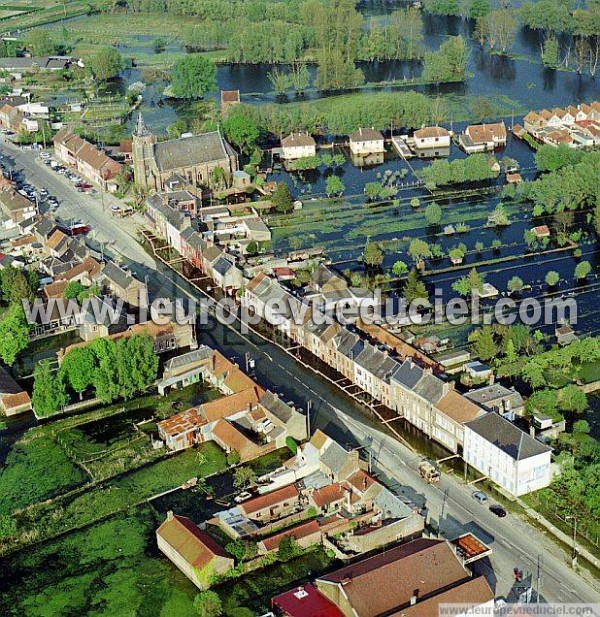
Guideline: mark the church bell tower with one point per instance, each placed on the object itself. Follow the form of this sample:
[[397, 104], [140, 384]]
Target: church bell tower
[[143, 154]]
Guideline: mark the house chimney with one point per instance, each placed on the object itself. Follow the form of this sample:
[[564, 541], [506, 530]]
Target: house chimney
[[414, 597], [170, 515]]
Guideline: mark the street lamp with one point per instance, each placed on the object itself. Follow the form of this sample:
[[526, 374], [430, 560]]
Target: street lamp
[[574, 557]]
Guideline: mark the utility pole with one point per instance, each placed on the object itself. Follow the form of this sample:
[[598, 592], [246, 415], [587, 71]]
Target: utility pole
[[538, 579], [308, 408], [442, 513]]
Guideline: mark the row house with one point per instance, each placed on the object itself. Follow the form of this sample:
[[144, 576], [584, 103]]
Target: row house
[[571, 126], [89, 161], [167, 222], [414, 393]]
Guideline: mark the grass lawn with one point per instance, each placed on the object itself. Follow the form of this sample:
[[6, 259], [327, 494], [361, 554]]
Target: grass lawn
[[36, 469], [114, 568], [111, 568], [590, 372], [120, 493]]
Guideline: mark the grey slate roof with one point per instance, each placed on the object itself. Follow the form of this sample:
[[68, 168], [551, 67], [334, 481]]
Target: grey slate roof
[[390, 505], [276, 406], [430, 388], [507, 437], [190, 151], [408, 374], [334, 457], [117, 275], [202, 353], [488, 395], [7, 384], [222, 266]]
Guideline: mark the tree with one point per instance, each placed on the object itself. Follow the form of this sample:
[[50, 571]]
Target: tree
[[571, 398], [77, 369], [582, 270], [515, 284], [142, 362], [243, 477], [159, 45], [448, 63], [433, 214], [553, 158], [543, 402], [499, 217], [40, 42], [105, 63], [372, 255], [192, 77], [241, 550], [49, 393], [499, 29], [399, 268], [233, 458], [252, 248], [372, 190], [334, 186], [415, 202], [418, 249], [414, 288], [208, 604], [282, 199], [462, 286], [17, 285], [581, 427], [288, 548], [484, 343], [241, 130], [552, 278], [14, 334]]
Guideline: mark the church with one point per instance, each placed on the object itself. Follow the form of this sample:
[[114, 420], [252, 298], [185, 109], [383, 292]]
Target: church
[[194, 157]]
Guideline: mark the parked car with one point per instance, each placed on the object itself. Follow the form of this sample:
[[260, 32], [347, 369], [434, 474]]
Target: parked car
[[498, 510], [243, 497], [45, 155], [479, 496]]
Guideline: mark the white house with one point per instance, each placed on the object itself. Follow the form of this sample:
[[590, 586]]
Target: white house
[[432, 137], [297, 146], [366, 141], [511, 458], [484, 137]]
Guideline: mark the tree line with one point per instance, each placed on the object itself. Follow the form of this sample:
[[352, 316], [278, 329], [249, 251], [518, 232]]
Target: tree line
[[569, 35], [114, 369]]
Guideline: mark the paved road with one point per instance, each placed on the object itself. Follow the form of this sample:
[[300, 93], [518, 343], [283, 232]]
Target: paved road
[[108, 230], [514, 542]]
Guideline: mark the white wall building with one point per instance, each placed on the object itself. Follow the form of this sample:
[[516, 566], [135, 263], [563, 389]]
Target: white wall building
[[297, 146], [511, 458], [366, 141]]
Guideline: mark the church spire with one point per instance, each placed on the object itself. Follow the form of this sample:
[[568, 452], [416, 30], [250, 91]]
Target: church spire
[[141, 130]]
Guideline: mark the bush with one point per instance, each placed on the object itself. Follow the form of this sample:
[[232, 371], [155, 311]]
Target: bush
[[291, 444]]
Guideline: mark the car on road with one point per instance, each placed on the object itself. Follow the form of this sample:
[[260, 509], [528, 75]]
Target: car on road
[[243, 497], [115, 208], [479, 496], [45, 155], [498, 510]]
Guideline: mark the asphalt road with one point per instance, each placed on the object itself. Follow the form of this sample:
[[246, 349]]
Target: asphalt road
[[515, 543]]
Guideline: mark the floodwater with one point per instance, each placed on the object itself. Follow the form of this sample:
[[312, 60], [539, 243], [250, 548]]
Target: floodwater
[[522, 78]]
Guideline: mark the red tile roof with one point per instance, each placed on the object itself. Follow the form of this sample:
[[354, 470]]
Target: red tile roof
[[305, 601], [326, 495], [195, 546], [297, 533], [270, 499]]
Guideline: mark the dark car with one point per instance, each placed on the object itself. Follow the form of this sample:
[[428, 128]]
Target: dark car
[[498, 510]]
